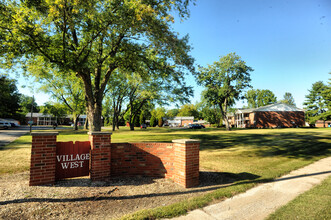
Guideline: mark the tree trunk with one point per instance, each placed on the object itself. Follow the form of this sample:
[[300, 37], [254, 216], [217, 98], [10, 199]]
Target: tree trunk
[[227, 125], [76, 122], [224, 116], [114, 115], [131, 122], [131, 126], [114, 122], [94, 116], [86, 123]]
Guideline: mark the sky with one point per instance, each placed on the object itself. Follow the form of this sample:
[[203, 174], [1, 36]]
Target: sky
[[286, 42]]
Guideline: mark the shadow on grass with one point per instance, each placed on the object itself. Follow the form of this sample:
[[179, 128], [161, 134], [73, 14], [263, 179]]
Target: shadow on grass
[[304, 145], [16, 144], [208, 178]]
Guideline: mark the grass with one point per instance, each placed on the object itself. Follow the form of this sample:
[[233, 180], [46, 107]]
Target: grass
[[313, 204], [252, 156]]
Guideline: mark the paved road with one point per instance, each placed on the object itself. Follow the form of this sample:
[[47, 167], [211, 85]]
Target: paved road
[[9, 135]]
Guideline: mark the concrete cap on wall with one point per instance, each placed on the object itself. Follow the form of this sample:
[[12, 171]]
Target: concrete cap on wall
[[186, 141], [44, 133], [99, 133]]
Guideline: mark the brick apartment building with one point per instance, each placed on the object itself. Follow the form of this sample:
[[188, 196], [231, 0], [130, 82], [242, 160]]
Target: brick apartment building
[[270, 116]]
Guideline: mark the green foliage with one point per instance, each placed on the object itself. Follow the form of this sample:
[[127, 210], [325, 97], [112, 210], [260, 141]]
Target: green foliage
[[152, 121], [9, 98], [159, 112], [317, 102], [251, 96], [93, 39], [26, 102], [288, 99], [63, 87], [188, 110], [258, 98], [160, 122], [266, 97], [57, 110], [327, 98], [172, 113], [225, 81], [209, 112], [142, 117]]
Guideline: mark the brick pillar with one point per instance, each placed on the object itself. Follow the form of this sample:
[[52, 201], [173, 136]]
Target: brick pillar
[[186, 162], [43, 158], [100, 155]]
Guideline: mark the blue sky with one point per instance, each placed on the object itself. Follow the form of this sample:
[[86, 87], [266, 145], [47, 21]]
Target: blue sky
[[286, 42]]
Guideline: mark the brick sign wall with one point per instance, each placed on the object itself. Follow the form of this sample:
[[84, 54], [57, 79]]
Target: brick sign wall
[[178, 160], [146, 159]]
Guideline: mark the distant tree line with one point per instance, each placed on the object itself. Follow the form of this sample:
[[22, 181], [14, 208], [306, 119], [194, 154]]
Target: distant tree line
[[131, 101]]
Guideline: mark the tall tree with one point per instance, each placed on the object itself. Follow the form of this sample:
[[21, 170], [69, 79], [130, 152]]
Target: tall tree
[[327, 97], [265, 97], [26, 102], [188, 110], [93, 38], [260, 97], [251, 96], [172, 113], [288, 99], [225, 81], [316, 103], [9, 98]]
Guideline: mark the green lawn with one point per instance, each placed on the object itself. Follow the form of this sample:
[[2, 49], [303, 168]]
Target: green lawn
[[314, 204], [250, 156]]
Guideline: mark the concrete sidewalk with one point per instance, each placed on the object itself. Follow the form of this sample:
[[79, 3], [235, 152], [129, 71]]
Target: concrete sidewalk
[[259, 202]]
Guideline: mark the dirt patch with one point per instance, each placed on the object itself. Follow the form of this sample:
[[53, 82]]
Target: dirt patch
[[82, 199]]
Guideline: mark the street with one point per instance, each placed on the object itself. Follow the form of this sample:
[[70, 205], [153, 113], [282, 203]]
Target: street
[[9, 135]]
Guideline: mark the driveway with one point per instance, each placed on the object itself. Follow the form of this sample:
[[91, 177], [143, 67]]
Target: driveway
[[9, 135]]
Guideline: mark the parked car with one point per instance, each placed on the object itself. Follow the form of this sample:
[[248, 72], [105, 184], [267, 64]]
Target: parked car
[[5, 125], [195, 126], [143, 126]]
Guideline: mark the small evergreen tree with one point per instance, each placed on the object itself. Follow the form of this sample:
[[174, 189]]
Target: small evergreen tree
[[152, 121], [160, 122], [142, 118]]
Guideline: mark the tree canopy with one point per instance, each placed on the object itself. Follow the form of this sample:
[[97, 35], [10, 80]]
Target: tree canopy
[[209, 112], [9, 98], [260, 97], [288, 99], [92, 38], [225, 81], [188, 110], [317, 103]]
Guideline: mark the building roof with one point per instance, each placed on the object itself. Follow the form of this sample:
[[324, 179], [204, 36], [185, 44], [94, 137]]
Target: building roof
[[184, 118], [278, 107], [38, 115], [248, 110]]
